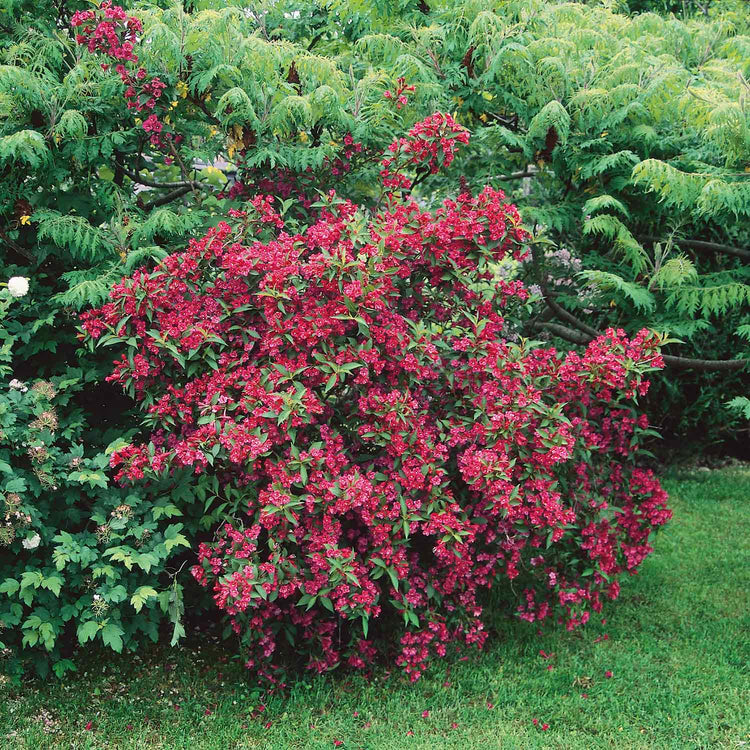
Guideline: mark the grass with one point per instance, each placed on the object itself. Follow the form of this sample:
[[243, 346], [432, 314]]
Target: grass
[[678, 648]]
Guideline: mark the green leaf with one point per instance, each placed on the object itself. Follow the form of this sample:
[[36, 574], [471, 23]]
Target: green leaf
[[117, 594], [53, 584], [9, 586], [87, 630], [62, 667], [112, 636], [31, 578], [26, 146], [18, 485], [173, 538], [640, 297], [141, 595], [180, 539]]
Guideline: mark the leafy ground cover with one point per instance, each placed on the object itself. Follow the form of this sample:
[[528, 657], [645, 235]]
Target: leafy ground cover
[[668, 669]]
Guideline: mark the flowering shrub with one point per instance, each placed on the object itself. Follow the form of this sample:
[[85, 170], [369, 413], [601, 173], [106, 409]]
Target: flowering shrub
[[395, 454], [18, 286]]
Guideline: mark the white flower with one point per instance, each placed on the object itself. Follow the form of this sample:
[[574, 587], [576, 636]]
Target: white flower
[[18, 286], [32, 542], [536, 290], [18, 385]]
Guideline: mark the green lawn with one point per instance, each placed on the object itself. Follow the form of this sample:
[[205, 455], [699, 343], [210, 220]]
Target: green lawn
[[678, 648]]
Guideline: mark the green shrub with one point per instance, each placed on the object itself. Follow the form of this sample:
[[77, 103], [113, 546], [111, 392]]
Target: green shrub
[[78, 555]]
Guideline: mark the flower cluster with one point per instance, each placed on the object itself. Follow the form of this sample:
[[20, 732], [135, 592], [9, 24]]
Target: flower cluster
[[562, 266], [109, 31], [285, 183], [430, 145], [400, 95], [13, 519], [342, 163], [18, 286], [397, 455]]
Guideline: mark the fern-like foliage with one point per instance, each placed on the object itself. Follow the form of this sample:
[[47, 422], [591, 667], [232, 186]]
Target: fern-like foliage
[[709, 298], [675, 272], [72, 233], [740, 405], [85, 288], [26, 148], [641, 298]]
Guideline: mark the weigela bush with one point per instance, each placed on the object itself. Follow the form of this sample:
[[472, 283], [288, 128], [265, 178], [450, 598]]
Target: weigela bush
[[398, 454]]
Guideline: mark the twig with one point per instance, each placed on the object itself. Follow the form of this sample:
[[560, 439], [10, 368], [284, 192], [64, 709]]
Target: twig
[[702, 245], [190, 184], [168, 198]]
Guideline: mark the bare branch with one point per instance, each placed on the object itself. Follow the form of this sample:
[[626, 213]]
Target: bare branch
[[681, 363], [168, 198], [568, 317], [206, 111], [586, 333], [517, 175], [16, 248], [574, 337], [707, 246], [706, 365], [190, 184]]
